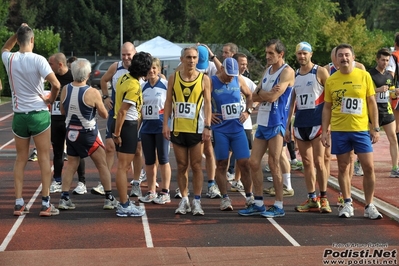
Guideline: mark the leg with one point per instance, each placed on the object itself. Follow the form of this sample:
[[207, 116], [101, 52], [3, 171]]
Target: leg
[[22, 147], [305, 150], [344, 169], [366, 159], [42, 143], [275, 150], [69, 171], [195, 153], [181, 155], [209, 160], [258, 150], [138, 162], [109, 152], [393, 142], [124, 164]]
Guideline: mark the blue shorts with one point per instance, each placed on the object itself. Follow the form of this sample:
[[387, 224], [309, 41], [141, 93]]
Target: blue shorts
[[343, 142], [153, 145], [110, 127], [83, 144], [267, 133], [236, 142]]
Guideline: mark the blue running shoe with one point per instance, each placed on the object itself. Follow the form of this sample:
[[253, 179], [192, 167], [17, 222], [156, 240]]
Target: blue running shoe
[[252, 210], [273, 212]]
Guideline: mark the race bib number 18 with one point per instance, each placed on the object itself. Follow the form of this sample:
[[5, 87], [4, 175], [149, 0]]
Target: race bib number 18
[[150, 112]]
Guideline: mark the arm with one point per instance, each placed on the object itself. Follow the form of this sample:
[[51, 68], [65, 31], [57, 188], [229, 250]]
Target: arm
[[167, 111], [107, 77], [287, 136], [248, 98], [98, 102], [55, 88], [322, 75], [120, 119], [287, 78], [62, 99], [206, 85], [326, 118], [373, 114], [255, 94]]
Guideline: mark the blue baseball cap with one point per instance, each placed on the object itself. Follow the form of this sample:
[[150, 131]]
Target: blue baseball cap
[[230, 66], [203, 60]]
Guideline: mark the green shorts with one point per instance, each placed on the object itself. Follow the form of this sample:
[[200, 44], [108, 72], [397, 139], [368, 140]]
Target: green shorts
[[25, 125]]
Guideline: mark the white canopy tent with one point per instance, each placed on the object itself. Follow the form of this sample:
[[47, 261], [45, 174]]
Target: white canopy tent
[[161, 48]]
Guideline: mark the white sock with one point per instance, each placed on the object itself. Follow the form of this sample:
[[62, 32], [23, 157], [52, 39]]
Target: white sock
[[278, 204], [287, 180], [259, 203], [19, 201], [294, 161]]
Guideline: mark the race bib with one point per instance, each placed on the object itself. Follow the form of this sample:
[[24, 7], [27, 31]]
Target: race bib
[[150, 112], [265, 107], [55, 108], [305, 101], [73, 135], [351, 105], [231, 111], [185, 110], [382, 97]]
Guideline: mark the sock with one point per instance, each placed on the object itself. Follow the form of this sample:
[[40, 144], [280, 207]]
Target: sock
[[136, 183], [197, 197], [312, 195], [323, 194], [397, 137], [248, 195], [395, 168], [211, 183], [225, 196], [126, 204], [287, 180], [278, 204], [165, 191], [108, 195], [185, 198], [65, 195], [258, 201], [349, 200], [58, 180], [46, 201], [19, 202]]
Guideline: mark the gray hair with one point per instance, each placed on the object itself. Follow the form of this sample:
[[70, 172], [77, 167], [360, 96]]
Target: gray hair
[[24, 35], [81, 69]]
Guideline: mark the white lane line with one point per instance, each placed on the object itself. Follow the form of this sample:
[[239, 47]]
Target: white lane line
[[146, 227], [18, 222], [8, 143], [284, 233], [5, 117]]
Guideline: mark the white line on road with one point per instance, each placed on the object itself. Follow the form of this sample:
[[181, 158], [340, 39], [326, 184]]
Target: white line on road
[[146, 227], [5, 117]]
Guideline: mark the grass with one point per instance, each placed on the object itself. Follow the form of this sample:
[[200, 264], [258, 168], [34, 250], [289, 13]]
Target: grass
[[4, 99]]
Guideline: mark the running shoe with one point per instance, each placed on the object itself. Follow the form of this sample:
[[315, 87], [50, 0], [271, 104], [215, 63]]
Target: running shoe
[[340, 200], [296, 165], [237, 186], [252, 209], [196, 207], [372, 212], [55, 187], [357, 169], [33, 156], [325, 206], [269, 178], [149, 197], [249, 201], [183, 208], [286, 192], [395, 173], [136, 190], [80, 189], [162, 198], [230, 176], [66, 204], [20, 210], [48, 211], [110, 204], [310, 205], [273, 212], [225, 204], [267, 168], [98, 190], [346, 211], [130, 210], [213, 192]]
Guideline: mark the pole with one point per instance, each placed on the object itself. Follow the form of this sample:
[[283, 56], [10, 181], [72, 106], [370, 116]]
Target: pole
[[121, 25]]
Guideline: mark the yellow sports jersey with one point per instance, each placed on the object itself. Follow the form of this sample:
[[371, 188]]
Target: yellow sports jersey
[[348, 94], [188, 101], [128, 90]]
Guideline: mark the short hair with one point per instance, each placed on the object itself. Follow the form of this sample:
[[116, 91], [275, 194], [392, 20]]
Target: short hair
[[24, 35], [344, 46], [233, 47], [60, 58], [384, 52], [141, 64], [157, 62], [278, 46], [188, 48], [71, 59], [81, 69], [236, 56]]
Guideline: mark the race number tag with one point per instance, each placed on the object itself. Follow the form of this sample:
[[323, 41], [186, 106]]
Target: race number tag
[[351, 105], [265, 107], [305, 101], [73, 135], [231, 111], [185, 110], [55, 108], [383, 97], [150, 112]]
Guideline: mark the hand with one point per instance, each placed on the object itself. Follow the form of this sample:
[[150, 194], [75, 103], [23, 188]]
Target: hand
[[206, 135], [108, 103], [243, 117], [325, 139], [215, 119], [166, 132], [374, 135], [287, 136], [117, 140], [46, 98]]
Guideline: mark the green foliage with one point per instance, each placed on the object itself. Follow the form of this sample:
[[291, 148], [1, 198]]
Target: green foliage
[[46, 42]]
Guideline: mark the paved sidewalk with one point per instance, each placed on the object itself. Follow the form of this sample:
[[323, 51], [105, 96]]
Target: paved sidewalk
[[386, 188]]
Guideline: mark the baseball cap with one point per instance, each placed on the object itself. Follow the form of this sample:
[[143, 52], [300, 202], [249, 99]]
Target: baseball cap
[[303, 46], [203, 61], [230, 66]]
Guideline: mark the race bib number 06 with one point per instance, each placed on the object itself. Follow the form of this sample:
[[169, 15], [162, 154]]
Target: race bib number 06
[[231, 111]]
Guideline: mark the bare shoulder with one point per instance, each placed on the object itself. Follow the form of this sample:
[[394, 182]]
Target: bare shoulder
[[360, 65]]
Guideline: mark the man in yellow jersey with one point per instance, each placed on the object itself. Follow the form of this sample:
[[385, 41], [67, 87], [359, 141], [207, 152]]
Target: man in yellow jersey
[[188, 101], [349, 102]]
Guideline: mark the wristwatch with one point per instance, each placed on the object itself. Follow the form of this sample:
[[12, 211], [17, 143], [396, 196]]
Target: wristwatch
[[105, 97], [115, 136], [207, 127], [377, 129], [249, 110], [212, 57]]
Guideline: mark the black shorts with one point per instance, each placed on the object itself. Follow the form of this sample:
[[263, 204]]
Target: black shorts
[[185, 139], [128, 137], [250, 138], [307, 133]]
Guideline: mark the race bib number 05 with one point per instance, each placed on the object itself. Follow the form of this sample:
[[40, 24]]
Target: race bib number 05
[[185, 110]]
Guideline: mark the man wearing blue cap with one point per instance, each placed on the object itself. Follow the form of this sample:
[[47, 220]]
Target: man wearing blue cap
[[274, 94], [227, 125], [308, 100]]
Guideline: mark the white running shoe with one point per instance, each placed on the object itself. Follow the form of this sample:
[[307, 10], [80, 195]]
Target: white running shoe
[[196, 207], [372, 212], [347, 210], [183, 208], [80, 189]]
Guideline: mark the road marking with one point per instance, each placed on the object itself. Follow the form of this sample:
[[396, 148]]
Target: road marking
[[18, 222], [8, 143], [5, 117], [283, 232], [146, 227]]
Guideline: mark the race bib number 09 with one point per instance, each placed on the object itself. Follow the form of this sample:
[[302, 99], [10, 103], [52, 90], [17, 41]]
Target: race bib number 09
[[351, 106]]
